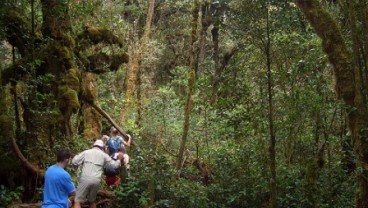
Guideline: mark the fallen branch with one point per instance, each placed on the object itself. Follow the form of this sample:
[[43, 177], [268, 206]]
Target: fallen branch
[[104, 114], [112, 122]]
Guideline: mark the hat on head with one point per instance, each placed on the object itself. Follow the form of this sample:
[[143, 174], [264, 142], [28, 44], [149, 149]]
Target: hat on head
[[99, 143]]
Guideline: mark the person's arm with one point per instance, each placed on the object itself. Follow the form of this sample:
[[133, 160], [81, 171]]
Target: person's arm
[[78, 159], [127, 143], [68, 185], [113, 163]]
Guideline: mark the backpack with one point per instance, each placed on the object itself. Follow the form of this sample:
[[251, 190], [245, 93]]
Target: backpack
[[111, 171], [114, 144]]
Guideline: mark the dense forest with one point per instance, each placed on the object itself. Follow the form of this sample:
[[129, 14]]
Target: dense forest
[[230, 103]]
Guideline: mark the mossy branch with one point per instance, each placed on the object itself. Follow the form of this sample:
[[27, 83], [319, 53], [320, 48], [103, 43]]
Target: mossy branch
[[17, 30], [101, 62], [97, 35]]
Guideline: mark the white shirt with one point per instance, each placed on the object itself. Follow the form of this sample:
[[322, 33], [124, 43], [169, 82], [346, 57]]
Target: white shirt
[[93, 161]]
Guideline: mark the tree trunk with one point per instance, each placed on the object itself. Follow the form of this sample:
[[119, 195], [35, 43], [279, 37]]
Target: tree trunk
[[138, 121], [191, 79], [272, 147], [60, 60], [348, 85], [92, 125], [363, 5], [137, 56]]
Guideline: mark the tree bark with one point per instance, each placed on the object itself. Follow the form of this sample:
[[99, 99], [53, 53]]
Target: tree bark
[[272, 147], [134, 69], [191, 80], [348, 85], [51, 76], [92, 125]]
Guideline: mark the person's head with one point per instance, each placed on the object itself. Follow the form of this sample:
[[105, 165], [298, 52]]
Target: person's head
[[122, 150], [63, 157], [114, 131], [99, 143], [104, 138]]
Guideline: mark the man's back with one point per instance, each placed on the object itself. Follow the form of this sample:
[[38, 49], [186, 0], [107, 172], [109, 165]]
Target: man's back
[[93, 161], [58, 185]]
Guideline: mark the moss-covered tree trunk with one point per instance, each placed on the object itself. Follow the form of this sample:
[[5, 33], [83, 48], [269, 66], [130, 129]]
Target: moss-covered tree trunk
[[92, 125], [348, 85], [136, 59], [191, 80], [50, 81], [60, 61]]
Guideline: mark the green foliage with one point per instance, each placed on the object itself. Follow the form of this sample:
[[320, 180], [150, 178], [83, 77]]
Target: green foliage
[[131, 194], [228, 124], [8, 197], [189, 194]]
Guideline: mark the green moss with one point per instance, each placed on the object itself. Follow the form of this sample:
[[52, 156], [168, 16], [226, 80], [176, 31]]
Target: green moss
[[6, 122], [6, 125], [65, 53], [97, 35], [17, 29], [92, 123], [89, 91], [117, 60], [68, 99], [65, 56], [72, 79], [67, 40]]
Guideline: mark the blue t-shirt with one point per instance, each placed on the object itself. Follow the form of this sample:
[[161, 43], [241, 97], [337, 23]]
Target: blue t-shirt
[[58, 186]]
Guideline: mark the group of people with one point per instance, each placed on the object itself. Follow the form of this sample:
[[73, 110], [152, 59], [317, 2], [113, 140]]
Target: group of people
[[106, 154]]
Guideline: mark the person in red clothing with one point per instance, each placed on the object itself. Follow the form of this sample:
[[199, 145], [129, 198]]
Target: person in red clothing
[[112, 178]]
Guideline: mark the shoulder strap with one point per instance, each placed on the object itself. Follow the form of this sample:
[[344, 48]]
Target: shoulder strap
[[120, 139]]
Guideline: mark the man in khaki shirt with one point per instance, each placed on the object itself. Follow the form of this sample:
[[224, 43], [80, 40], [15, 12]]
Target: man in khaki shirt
[[92, 161]]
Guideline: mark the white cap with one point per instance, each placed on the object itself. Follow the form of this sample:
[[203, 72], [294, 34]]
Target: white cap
[[99, 143]]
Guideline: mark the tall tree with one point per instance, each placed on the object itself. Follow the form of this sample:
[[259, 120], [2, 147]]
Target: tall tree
[[51, 80], [191, 80], [348, 85], [136, 58], [272, 147]]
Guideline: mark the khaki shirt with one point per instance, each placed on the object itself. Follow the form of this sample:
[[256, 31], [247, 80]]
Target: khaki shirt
[[93, 161]]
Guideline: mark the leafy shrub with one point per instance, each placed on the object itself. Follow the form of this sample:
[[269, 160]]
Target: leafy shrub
[[8, 196], [189, 194]]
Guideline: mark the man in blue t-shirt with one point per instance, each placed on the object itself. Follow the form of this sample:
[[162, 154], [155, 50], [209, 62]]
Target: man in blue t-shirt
[[58, 183]]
